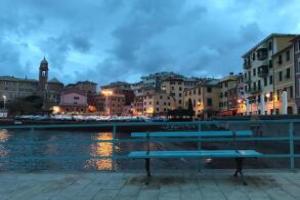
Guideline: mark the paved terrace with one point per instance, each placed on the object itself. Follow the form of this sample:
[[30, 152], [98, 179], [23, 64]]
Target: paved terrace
[[165, 186]]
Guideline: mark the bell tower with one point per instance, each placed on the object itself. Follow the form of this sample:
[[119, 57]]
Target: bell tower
[[43, 75]]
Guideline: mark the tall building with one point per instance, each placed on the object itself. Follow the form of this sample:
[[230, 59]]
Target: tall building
[[229, 95], [174, 87], [296, 52], [43, 75], [284, 82], [259, 73]]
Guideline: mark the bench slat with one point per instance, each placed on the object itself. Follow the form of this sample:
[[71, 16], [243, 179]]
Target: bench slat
[[200, 154], [194, 134]]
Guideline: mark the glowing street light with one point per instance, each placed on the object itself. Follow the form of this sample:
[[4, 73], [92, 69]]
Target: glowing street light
[[107, 92], [268, 95]]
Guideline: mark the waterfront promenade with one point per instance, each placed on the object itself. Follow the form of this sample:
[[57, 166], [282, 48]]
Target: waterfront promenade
[[210, 185]]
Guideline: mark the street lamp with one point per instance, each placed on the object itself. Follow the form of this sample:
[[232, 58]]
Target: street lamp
[[4, 101]]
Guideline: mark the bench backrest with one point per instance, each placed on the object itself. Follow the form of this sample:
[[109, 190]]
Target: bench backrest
[[239, 133]]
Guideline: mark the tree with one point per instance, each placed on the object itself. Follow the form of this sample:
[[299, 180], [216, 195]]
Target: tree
[[27, 105]]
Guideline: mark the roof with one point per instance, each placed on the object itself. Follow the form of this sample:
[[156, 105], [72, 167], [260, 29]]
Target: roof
[[44, 61], [12, 78], [267, 38], [54, 80], [72, 90]]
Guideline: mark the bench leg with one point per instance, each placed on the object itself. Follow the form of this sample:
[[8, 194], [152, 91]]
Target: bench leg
[[239, 169], [147, 167]]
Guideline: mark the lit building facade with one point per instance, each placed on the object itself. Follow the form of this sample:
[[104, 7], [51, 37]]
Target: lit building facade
[[229, 87], [296, 48], [259, 74], [284, 81], [175, 88], [73, 101], [205, 98]]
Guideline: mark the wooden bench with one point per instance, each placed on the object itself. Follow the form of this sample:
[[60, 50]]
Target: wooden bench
[[238, 155]]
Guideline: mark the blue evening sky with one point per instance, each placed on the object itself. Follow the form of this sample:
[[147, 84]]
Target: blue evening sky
[[110, 40]]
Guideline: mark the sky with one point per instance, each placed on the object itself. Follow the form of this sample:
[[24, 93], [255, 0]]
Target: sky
[[120, 40]]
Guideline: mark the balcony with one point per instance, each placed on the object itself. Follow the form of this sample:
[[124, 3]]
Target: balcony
[[247, 64], [263, 71], [262, 53]]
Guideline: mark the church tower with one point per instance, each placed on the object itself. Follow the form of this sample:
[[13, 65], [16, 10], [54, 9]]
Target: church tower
[[43, 76]]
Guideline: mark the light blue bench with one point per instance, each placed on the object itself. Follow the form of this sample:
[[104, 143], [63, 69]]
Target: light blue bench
[[238, 155]]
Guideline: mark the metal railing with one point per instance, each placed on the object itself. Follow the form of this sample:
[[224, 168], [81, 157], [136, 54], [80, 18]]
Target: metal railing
[[288, 136]]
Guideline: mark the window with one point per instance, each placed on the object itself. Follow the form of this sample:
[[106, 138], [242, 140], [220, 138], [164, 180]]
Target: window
[[226, 84], [288, 73], [199, 91], [270, 64], [254, 72], [259, 84], [280, 76], [291, 92], [180, 88], [288, 56], [76, 98], [209, 101], [271, 80], [265, 81], [280, 59], [208, 89], [270, 46], [253, 56]]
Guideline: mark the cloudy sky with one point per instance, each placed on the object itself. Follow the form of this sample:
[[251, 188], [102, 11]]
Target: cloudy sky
[[110, 40]]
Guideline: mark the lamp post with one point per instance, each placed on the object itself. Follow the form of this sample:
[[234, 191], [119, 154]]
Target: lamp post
[[4, 101]]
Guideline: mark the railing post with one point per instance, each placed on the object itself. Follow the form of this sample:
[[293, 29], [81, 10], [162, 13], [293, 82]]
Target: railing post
[[292, 151], [200, 166], [114, 131]]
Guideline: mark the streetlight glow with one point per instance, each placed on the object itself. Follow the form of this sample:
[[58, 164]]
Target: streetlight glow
[[107, 92]]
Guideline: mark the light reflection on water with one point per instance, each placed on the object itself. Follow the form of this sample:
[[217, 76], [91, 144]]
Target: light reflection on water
[[101, 149], [3, 138]]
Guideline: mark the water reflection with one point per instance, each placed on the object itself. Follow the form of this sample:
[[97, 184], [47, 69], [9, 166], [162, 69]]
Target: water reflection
[[3, 138], [102, 149]]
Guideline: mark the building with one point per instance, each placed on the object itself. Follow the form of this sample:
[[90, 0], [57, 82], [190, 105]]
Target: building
[[284, 81], [229, 95], [121, 88], [259, 73], [12, 87], [114, 103], [155, 80], [73, 101], [174, 87], [296, 55], [205, 98]]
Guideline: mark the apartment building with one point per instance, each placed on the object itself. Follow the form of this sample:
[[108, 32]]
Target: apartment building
[[175, 88], [296, 48], [205, 98], [259, 73], [229, 95], [158, 103], [284, 81]]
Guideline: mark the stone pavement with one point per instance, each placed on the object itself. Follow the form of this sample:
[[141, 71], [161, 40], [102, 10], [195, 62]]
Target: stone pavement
[[174, 185]]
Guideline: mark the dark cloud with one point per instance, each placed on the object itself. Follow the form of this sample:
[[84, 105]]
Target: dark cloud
[[113, 40]]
